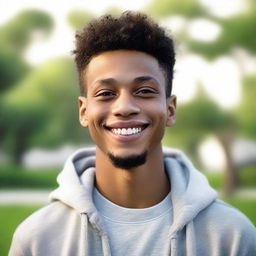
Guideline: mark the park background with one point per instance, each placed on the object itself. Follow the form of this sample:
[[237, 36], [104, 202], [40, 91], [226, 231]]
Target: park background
[[214, 80]]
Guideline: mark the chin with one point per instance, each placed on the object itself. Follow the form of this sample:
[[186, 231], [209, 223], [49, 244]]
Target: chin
[[128, 162]]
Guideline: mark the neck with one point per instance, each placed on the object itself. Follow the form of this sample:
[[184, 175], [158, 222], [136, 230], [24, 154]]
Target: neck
[[140, 187]]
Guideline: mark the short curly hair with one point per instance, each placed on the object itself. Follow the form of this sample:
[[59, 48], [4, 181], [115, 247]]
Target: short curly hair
[[130, 31]]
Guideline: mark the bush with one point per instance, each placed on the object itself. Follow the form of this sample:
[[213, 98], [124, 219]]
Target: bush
[[13, 177]]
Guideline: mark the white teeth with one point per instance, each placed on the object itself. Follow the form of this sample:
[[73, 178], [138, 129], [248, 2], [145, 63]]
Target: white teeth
[[128, 131]]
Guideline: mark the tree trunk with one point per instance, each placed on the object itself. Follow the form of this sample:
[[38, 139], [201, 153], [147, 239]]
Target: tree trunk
[[231, 181], [20, 146]]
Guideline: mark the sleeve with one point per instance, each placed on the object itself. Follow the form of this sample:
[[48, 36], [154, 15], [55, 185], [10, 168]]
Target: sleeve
[[15, 249], [244, 242]]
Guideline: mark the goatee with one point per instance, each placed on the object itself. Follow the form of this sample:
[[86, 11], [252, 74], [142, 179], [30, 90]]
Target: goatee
[[128, 163]]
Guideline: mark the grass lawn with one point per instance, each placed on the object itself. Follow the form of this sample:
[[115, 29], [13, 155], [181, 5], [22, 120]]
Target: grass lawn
[[10, 217]]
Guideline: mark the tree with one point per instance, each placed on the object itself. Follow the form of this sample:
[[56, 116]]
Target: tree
[[200, 117], [236, 31], [246, 113], [14, 38], [42, 109]]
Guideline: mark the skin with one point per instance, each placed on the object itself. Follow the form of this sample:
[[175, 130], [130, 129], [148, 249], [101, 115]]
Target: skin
[[127, 89]]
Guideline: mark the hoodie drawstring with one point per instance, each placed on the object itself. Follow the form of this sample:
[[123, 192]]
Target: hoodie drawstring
[[105, 245], [84, 235], [84, 249], [173, 246], [190, 239]]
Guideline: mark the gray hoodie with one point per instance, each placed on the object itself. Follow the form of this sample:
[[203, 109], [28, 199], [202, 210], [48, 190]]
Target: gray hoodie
[[71, 226]]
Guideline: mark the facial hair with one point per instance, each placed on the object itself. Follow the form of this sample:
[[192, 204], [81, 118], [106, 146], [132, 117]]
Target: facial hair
[[127, 163]]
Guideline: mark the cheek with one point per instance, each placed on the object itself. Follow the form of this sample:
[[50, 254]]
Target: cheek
[[96, 119], [160, 113], [96, 113]]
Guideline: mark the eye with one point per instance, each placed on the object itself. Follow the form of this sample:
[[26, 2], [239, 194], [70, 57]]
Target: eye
[[146, 92], [105, 93]]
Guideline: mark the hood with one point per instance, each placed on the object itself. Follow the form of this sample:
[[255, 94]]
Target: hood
[[190, 190]]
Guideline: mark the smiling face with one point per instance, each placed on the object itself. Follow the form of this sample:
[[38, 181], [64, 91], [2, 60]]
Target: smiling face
[[126, 109]]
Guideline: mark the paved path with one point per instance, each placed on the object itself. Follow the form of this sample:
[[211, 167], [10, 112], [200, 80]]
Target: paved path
[[24, 196], [41, 196], [247, 193]]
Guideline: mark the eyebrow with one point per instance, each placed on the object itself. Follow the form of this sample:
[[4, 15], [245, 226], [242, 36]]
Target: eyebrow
[[140, 79]]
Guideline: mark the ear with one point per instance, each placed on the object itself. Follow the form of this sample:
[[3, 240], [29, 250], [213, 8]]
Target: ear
[[83, 111], [171, 111]]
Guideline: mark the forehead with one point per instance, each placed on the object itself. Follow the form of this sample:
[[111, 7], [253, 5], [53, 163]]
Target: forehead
[[122, 65]]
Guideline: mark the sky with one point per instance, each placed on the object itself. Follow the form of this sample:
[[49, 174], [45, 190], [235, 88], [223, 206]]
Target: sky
[[224, 87]]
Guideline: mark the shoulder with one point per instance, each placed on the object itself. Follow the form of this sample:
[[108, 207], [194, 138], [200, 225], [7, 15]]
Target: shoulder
[[226, 228], [46, 215], [43, 225], [221, 213]]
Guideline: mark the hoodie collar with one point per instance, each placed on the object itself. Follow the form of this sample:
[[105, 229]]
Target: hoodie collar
[[190, 190]]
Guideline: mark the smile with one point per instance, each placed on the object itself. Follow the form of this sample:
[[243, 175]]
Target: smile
[[126, 131]]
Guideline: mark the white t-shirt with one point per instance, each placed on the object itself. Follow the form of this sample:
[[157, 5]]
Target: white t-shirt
[[136, 232]]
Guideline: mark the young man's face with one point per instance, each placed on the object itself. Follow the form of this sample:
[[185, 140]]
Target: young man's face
[[126, 109]]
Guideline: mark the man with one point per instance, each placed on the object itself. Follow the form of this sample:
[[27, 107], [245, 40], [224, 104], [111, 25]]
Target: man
[[128, 196]]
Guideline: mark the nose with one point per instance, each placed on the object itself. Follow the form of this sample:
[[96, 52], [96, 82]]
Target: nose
[[125, 105]]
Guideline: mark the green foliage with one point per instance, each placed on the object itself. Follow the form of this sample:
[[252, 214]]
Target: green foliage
[[12, 69], [237, 31], [10, 217], [188, 8], [77, 19], [44, 105], [248, 177], [14, 177], [246, 113], [195, 120], [15, 35], [37, 107], [44, 83], [14, 38], [202, 114], [216, 180]]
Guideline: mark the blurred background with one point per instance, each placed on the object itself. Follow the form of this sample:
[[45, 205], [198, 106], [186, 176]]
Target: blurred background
[[214, 80]]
